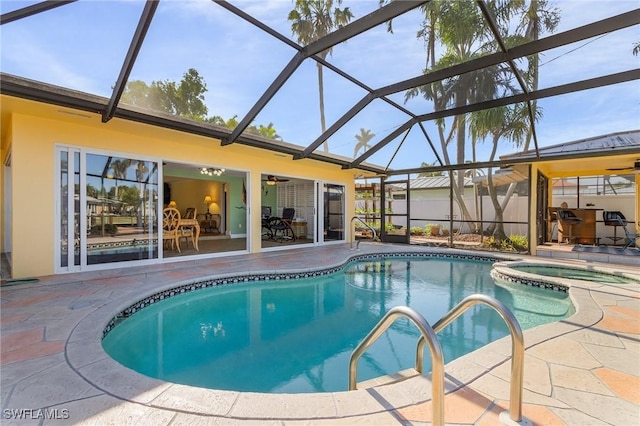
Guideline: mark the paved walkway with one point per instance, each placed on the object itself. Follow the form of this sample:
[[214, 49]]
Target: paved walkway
[[581, 371]]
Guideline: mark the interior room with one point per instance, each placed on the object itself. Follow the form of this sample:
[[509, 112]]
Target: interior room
[[287, 210], [212, 201]]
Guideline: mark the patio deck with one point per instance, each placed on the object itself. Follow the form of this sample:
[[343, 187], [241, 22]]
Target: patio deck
[[581, 371]]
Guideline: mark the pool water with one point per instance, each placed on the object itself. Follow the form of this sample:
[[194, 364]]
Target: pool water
[[574, 273], [296, 336]]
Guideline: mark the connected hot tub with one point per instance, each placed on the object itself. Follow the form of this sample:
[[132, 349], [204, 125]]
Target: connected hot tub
[[560, 276]]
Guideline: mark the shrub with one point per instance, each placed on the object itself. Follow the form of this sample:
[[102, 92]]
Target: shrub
[[416, 230], [109, 228], [518, 243]]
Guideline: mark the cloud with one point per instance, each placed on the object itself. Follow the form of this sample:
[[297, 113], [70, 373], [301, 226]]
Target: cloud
[[26, 57]]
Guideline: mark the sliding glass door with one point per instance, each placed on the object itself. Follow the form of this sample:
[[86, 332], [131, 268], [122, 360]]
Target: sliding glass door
[[333, 212], [108, 209]]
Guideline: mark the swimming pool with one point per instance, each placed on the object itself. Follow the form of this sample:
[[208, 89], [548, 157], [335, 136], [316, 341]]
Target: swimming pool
[[296, 335]]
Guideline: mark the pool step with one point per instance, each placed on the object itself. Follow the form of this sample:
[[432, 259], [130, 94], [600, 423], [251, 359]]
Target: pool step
[[389, 379]]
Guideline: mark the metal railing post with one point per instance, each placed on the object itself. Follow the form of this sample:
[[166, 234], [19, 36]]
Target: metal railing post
[[427, 335], [517, 344], [373, 231]]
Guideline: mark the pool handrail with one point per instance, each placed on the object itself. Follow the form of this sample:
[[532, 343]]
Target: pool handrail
[[517, 344], [427, 335], [375, 235]]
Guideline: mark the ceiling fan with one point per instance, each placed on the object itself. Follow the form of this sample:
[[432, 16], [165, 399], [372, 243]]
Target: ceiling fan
[[634, 168], [272, 180]]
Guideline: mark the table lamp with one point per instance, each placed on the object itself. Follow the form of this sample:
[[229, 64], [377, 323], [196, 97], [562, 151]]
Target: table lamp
[[208, 200]]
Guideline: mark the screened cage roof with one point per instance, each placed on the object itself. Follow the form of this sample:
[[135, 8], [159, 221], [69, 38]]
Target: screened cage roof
[[388, 86]]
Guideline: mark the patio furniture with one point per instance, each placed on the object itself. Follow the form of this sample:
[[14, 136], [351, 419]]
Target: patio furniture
[[567, 219], [615, 219], [267, 232], [282, 225], [630, 237]]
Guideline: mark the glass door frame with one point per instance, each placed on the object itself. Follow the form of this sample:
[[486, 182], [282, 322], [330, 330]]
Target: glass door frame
[[83, 264], [320, 213], [405, 217]]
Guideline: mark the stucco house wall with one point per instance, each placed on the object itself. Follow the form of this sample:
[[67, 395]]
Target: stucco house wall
[[35, 130]]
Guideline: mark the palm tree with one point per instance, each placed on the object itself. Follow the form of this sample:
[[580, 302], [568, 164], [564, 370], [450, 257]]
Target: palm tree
[[141, 173], [429, 174], [460, 27], [267, 131], [536, 19], [312, 20], [507, 122], [363, 141], [119, 168]]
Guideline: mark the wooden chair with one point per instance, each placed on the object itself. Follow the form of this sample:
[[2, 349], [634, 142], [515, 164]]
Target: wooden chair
[[188, 225], [171, 227]]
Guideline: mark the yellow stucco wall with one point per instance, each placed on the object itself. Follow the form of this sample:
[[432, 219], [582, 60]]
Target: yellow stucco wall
[[33, 151], [5, 146], [637, 212], [533, 209]]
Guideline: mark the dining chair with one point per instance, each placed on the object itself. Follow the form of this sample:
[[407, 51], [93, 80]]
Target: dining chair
[[188, 224], [171, 227]]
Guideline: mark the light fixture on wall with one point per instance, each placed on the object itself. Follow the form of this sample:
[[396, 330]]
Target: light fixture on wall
[[210, 172], [208, 200]]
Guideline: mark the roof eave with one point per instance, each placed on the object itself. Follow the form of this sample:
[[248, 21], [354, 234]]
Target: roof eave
[[11, 85]]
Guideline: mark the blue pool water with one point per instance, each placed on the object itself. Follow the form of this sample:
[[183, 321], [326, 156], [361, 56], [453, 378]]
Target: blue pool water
[[295, 336]]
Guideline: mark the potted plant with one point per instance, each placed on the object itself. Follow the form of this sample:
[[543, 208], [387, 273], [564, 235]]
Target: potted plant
[[432, 229]]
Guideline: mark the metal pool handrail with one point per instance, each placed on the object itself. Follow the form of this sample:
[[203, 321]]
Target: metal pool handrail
[[517, 344], [375, 236], [427, 335]]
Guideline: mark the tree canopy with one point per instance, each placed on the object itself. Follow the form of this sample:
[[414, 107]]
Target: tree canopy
[[186, 99]]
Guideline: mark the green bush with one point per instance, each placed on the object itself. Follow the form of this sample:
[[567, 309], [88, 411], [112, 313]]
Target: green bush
[[518, 243], [108, 229], [416, 230]]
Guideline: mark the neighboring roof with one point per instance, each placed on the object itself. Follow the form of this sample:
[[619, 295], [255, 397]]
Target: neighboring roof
[[430, 182], [598, 144]]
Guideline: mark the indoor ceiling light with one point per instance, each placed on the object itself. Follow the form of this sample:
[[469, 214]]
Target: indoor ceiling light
[[211, 172]]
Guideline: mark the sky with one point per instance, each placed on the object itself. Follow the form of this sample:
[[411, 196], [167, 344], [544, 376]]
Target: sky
[[81, 46]]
